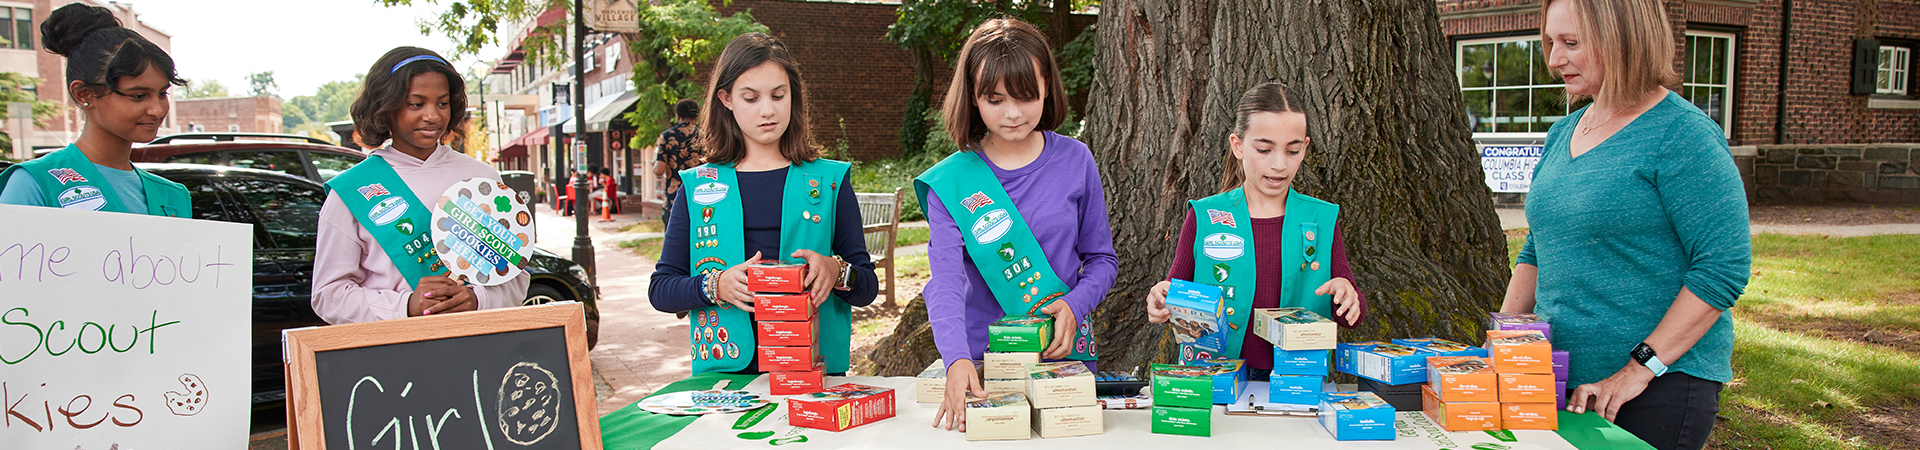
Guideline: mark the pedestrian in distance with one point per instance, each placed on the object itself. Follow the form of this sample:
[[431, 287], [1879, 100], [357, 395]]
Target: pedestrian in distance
[[1260, 218], [1639, 244], [763, 193], [369, 266], [122, 83], [1018, 219]]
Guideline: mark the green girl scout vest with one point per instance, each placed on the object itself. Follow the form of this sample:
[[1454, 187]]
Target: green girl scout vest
[[69, 181], [722, 335], [1223, 256], [998, 240], [386, 207]]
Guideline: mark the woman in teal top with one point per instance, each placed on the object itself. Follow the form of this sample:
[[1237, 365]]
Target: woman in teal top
[[120, 82], [1639, 242]]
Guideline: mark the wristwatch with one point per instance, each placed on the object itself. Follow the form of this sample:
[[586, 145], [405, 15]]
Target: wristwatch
[[846, 274], [1644, 355]]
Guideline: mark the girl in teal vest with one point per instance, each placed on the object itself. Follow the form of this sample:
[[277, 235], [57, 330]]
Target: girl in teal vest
[[1018, 219], [763, 194], [120, 81], [1260, 240]]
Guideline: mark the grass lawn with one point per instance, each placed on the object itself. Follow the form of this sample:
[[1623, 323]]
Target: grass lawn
[[644, 226], [648, 247], [1827, 353], [912, 236]]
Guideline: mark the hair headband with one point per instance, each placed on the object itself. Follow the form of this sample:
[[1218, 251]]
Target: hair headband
[[404, 62]]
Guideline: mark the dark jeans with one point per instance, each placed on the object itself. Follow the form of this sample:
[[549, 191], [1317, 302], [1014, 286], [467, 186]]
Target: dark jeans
[[1676, 411]]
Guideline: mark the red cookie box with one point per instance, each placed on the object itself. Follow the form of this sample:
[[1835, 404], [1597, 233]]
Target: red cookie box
[[777, 276], [792, 383], [840, 407], [785, 333], [789, 359], [782, 307]]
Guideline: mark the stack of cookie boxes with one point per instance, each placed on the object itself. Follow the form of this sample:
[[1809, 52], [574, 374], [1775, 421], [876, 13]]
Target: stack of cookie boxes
[[1515, 388], [1302, 342], [786, 326], [1013, 342]]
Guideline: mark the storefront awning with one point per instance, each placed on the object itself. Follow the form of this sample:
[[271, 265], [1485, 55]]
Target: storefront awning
[[536, 137], [602, 111]]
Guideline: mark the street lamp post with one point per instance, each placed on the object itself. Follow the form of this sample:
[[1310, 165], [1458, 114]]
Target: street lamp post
[[582, 207]]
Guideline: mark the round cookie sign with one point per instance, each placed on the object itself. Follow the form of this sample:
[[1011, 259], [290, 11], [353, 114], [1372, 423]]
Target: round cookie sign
[[483, 231]]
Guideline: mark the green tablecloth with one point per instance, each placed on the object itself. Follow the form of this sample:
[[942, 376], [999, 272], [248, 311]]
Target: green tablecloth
[[631, 428]]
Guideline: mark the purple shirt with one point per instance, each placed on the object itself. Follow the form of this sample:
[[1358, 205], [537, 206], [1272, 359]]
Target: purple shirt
[[1059, 196]]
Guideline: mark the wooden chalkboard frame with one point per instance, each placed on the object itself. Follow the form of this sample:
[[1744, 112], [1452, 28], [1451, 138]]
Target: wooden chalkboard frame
[[303, 384]]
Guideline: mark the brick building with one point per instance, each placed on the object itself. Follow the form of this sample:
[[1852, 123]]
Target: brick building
[[228, 114], [23, 53], [1802, 131]]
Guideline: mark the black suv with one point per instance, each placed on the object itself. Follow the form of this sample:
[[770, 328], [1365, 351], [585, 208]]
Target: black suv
[[285, 213], [300, 156]]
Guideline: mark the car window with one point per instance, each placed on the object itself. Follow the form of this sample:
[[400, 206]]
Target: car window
[[284, 161], [192, 158], [289, 212], [206, 201], [330, 164]]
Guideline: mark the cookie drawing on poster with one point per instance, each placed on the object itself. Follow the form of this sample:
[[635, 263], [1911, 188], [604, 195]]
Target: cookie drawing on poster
[[527, 409]]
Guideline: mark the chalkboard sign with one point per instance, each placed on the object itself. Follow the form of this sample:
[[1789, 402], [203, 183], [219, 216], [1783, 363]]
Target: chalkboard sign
[[514, 378]]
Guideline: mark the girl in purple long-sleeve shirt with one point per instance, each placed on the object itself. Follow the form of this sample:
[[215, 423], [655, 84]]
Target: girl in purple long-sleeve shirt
[[1000, 108]]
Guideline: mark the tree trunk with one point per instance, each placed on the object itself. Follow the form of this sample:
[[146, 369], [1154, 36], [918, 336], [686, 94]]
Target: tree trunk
[[1390, 145]]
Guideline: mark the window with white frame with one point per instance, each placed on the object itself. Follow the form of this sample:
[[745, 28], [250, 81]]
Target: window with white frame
[[1708, 81], [1893, 74], [1507, 87]]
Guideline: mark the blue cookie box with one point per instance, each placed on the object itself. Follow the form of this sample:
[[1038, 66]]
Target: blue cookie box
[[1372, 424], [1301, 362], [1398, 369], [1295, 389]]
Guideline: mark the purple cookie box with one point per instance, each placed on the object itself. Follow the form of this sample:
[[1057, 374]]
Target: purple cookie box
[[1508, 321], [1560, 358]]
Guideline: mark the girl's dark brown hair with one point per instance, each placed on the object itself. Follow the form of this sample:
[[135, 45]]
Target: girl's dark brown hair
[[99, 51], [721, 134], [1002, 50], [385, 91], [1269, 97]]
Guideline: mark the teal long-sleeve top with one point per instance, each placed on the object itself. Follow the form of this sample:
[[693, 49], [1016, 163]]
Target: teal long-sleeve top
[[1617, 231]]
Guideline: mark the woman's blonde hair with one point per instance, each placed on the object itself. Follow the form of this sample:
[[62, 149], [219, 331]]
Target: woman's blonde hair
[[1632, 41]]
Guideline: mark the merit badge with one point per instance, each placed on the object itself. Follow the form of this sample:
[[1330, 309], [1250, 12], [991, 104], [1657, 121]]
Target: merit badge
[[482, 231], [1006, 251], [1316, 265], [706, 214], [1220, 272], [816, 218], [815, 193], [404, 226], [814, 183]]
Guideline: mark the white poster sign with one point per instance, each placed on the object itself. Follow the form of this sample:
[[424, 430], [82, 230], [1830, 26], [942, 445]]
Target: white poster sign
[[122, 329], [1509, 167]]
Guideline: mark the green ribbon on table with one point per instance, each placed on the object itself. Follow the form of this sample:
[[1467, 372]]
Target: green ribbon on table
[[631, 428]]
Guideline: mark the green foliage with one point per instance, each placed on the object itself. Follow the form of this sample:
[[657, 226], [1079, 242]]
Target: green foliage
[[888, 174], [13, 89], [912, 236], [647, 247], [677, 39], [1076, 61], [913, 125], [941, 26], [475, 24], [207, 88], [261, 84], [329, 103]]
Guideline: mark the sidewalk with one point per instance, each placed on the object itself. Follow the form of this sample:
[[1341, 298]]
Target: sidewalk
[[640, 349]]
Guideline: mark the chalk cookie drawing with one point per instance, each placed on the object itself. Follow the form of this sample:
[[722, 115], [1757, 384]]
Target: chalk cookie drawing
[[190, 402], [529, 403]]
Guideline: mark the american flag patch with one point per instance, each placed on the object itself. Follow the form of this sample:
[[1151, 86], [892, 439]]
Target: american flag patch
[[1221, 217], [708, 173], [976, 201], [66, 175], [373, 190]]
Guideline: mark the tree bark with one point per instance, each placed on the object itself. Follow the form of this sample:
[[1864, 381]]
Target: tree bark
[[1390, 144]]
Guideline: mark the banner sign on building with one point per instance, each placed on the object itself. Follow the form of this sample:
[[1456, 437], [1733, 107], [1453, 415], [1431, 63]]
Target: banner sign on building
[[1509, 168]]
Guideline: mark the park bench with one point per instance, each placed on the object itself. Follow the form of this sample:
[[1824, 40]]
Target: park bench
[[880, 223]]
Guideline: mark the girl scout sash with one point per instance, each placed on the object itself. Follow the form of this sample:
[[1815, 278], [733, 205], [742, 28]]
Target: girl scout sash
[[723, 336], [386, 207], [68, 180], [1223, 256], [998, 240]]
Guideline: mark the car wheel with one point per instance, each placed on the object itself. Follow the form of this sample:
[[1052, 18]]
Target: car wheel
[[540, 294]]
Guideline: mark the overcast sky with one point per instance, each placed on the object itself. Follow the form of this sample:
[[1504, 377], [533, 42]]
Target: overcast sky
[[305, 43]]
